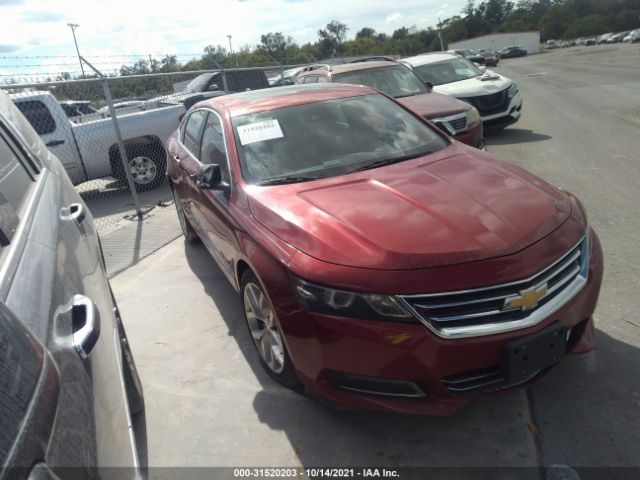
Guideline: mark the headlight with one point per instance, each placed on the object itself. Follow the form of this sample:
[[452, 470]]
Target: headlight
[[473, 115], [513, 89], [342, 303]]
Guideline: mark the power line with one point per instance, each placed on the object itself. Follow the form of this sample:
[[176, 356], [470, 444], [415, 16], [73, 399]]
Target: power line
[[135, 55]]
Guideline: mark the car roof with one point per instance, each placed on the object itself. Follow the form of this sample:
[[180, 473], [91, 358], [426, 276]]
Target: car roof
[[273, 98], [433, 57], [350, 67]]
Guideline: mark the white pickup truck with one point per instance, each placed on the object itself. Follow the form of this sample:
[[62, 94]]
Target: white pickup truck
[[87, 146]]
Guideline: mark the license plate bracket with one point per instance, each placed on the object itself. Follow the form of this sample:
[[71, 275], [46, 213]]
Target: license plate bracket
[[523, 357]]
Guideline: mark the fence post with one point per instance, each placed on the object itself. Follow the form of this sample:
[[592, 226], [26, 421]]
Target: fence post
[[116, 127], [123, 151]]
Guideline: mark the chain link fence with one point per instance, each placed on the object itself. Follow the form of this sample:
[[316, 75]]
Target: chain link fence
[[110, 132]]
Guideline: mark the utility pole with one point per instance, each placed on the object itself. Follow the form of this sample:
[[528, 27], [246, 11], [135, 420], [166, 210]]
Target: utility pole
[[440, 34], [73, 27], [231, 50]]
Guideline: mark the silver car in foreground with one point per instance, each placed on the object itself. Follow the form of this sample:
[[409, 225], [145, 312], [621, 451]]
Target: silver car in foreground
[[69, 391], [496, 97]]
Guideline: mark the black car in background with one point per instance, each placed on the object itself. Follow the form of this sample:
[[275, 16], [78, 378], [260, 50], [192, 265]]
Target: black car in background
[[69, 390], [471, 55], [511, 52]]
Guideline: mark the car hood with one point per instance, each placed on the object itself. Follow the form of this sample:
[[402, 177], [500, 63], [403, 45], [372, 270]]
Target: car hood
[[420, 213], [486, 84], [431, 105]]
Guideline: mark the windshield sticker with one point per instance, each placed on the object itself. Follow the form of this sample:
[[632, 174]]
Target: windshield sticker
[[259, 132]]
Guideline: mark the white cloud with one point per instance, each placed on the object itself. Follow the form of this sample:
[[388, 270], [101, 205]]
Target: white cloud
[[393, 17]]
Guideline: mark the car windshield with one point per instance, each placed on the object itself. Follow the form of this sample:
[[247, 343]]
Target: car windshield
[[447, 71], [396, 81], [330, 138]]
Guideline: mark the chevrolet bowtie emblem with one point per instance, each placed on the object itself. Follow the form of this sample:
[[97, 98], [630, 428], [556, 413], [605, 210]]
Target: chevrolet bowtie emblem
[[526, 299]]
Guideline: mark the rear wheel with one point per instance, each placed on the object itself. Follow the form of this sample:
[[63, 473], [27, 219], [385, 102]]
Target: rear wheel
[[265, 332], [187, 230], [147, 164]]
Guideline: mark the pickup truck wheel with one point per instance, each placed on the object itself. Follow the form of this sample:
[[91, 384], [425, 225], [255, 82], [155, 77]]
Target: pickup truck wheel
[[147, 172], [147, 165]]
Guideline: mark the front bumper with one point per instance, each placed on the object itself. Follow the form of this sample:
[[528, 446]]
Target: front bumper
[[473, 135], [322, 346], [507, 117]]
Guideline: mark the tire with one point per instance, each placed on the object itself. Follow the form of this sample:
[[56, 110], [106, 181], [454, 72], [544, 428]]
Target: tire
[[189, 233], [148, 165], [265, 332]]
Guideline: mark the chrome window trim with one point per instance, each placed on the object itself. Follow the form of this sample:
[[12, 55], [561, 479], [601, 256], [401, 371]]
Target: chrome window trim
[[536, 316]]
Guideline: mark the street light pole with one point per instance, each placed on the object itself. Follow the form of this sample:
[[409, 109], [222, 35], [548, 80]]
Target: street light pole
[[440, 34], [231, 50], [73, 27]]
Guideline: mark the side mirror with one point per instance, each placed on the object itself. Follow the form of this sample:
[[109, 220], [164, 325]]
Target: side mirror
[[213, 87], [482, 68], [429, 85], [209, 177]]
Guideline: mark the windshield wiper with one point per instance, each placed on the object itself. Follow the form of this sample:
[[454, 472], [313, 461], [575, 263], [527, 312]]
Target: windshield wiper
[[286, 179], [388, 161]]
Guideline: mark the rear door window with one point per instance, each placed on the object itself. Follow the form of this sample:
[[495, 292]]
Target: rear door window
[[38, 115]]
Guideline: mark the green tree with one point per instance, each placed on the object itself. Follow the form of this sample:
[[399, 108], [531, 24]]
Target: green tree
[[331, 38]]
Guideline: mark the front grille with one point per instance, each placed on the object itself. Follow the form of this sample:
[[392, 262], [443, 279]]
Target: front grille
[[459, 124], [490, 104], [506, 307], [458, 121]]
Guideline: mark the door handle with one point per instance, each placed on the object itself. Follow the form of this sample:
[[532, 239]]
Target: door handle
[[74, 212], [53, 143], [86, 325]]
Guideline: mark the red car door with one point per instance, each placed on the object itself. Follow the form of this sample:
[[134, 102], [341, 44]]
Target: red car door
[[186, 158], [213, 212]]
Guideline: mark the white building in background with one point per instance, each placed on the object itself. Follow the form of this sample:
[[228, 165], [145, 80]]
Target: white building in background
[[530, 41]]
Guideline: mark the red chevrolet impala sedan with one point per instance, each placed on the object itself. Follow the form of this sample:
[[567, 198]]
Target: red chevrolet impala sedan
[[381, 264]]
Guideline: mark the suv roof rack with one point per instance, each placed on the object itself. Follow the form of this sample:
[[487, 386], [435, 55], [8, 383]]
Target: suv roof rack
[[316, 66], [374, 58]]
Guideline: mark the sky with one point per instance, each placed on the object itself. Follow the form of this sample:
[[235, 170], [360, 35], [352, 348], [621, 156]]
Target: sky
[[113, 32]]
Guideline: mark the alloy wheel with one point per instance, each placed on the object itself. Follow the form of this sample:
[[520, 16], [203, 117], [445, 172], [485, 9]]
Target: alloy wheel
[[263, 327]]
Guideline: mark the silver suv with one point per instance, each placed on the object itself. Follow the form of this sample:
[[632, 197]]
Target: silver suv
[[69, 390]]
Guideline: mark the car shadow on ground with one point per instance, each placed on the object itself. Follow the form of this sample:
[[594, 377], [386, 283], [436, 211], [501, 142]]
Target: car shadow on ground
[[496, 431], [510, 136]]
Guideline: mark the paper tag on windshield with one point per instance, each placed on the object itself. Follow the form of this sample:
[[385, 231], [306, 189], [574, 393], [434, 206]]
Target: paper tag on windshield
[[259, 132]]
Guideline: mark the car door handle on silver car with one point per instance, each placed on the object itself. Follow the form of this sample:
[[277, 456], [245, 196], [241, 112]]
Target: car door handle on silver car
[[74, 212], [85, 324], [54, 143]]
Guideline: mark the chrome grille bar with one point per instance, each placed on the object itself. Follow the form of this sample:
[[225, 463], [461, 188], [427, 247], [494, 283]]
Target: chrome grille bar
[[502, 308]]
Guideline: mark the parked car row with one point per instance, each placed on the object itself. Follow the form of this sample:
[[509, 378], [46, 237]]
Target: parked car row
[[628, 36], [380, 263]]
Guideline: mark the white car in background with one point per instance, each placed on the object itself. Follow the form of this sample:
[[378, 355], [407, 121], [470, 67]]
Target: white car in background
[[496, 97]]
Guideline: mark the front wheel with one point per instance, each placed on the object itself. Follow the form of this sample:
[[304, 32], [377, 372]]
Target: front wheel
[[187, 230], [265, 332]]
